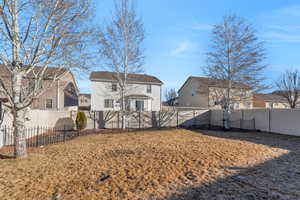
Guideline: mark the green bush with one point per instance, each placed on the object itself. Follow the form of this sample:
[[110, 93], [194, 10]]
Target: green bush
[[81, 121]]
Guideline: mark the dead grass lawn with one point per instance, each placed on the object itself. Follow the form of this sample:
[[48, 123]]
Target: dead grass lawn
[[142, 165]]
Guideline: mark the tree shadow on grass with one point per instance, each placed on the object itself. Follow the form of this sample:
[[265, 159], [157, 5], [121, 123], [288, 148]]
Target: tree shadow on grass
[[276, 179]]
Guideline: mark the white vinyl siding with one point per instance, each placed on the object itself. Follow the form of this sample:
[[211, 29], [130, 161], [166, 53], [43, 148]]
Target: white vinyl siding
[[103, 90]]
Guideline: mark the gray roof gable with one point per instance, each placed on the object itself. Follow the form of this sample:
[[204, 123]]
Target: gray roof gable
[[211, 82], [136, 78]]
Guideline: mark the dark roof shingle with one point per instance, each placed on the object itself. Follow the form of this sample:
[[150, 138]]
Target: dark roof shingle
[[112, 76], [270, 97], [50, 71], [219, 83], [211, 82]]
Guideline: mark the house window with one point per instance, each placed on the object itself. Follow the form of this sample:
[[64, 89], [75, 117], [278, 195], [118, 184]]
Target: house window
[[139, 106], [114, 87], [109, 103], [149, 88], [49, 104], [242, 92]]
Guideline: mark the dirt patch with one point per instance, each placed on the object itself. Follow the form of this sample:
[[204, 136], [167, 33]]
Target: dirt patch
[[177, 164]]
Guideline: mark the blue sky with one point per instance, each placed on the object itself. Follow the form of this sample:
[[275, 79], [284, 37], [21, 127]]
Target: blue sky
[[178, 34]]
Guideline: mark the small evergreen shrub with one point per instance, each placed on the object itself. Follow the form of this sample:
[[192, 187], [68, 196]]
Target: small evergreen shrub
[[81, 121]]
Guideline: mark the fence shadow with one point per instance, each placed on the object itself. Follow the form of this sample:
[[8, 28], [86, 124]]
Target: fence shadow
[[2, 157], [282, 141], [278, 178]]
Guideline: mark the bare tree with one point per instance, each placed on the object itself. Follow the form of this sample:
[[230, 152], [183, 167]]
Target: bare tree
[[289, 87], [236, 55], [170, 95], [121, 46], [36, 35]]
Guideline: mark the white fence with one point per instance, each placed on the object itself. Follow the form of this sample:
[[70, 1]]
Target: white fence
[[283, 121], [142, 120], [37, 118], [44, 118]]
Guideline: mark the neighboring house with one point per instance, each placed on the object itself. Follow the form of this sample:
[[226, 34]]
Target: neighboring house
[[61, 94], [84, 101], [143, 92], [271, 101], [207, 93]]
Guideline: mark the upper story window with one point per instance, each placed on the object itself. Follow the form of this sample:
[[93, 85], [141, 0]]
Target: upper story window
[[114, 87], [49, 103], [149, 88], [108, 103], [243, 92]]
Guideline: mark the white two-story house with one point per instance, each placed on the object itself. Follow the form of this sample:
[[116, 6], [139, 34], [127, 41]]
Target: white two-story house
[[143, 92]]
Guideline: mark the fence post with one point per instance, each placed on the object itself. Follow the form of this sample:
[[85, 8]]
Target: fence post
[[4, 135], [94, 120], [243, 118], [118, 120], [194, 119], [139, 120], [209, 119], [241, 124], [159, 119], [177, 119], [269, 120], [37, 136], [254, 124], [64, 133]]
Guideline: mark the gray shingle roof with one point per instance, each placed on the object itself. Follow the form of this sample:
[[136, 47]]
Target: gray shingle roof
[[219, 83], [50, 71], [270, 97], [112, 76], [211, 82]]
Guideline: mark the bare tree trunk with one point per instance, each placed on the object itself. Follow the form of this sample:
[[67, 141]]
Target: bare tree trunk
[[18, 115], [227, 108], [19, 134], [123, 109], [227, 119], [18, 119]]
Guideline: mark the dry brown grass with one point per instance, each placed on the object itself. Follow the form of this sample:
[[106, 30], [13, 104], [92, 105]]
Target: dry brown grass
[[142, 165]]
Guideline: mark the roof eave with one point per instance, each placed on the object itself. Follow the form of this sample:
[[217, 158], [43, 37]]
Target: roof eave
[[138, 82]]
